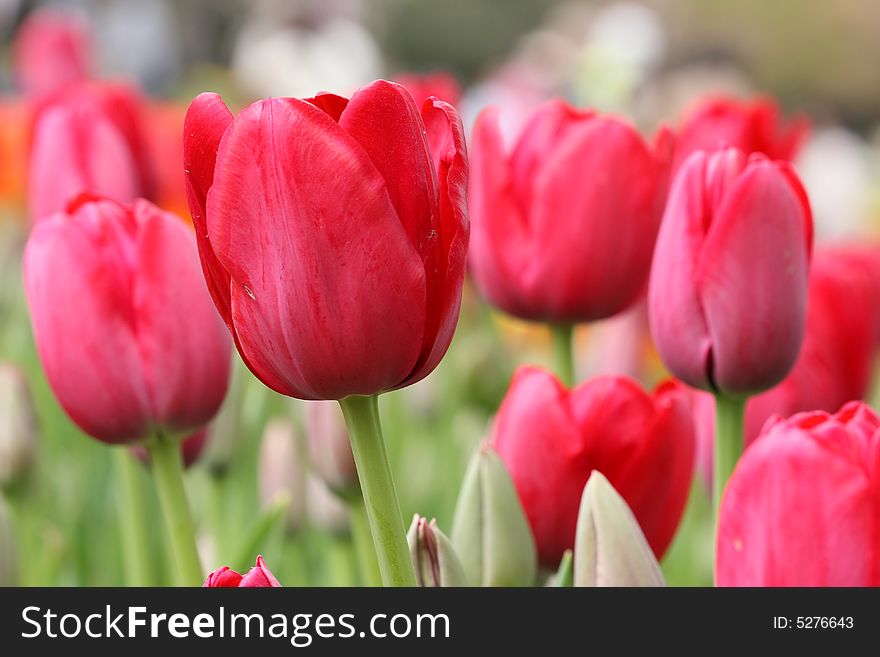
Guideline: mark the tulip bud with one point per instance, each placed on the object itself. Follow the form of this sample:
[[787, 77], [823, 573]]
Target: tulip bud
[[282, 471], [257, 577], [489, 529], [329, 448], [18, 425], [610, 548], [433, 556]]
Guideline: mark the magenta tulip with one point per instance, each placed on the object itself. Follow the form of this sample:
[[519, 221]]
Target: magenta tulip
[[564, 223], [728, 291], [801, 507], [257, 577], [333, 234], [51, 50], [123, 323]]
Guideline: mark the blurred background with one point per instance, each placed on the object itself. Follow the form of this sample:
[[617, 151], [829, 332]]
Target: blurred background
[[646, 60]]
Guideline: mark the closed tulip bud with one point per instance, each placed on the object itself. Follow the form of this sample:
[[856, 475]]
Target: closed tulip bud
[[18, 425], [51, 50], [257, 577], [754, 126], [333, 234], [610, 548], [153, 354], [728, 291], [433, 556], [329, 448], [282, 472], [564, 224], [489, 529], [88, 139], [801, 506], [551, 439]]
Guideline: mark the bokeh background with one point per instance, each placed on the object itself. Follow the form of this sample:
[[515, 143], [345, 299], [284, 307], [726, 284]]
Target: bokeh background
[[646, 60]]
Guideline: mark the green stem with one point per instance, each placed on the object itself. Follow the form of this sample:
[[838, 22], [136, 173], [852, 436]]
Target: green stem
[[168, 474], [368, 567], [133, 519], [563, 352], [380, 498], [729, 414]]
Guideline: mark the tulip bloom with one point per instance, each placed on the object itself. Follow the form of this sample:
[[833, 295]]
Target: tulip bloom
[[257, 577], [751, 126], [838, 352], [801, 507], [333, 234], [564, 224], [51, 50], [87, 139], [728, 292], [551, 439], [123, 324]]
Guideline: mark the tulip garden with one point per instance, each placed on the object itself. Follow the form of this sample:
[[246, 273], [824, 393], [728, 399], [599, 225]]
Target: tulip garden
[[415, 330]]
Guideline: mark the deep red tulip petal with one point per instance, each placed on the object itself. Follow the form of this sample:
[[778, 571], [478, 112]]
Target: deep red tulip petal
[[259, 576], [498, 247], [223, 577], [302, 220], [759, 222], [447, 147], [206, 120], [332, 104], [187, 370], [108, 397], [579, 198]]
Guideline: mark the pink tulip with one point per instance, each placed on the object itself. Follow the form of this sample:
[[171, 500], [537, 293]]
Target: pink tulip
[[754, 126], [564, 223], [801, 507], [51, 50], [333, 234], [257, 577], [837, 356], [728, 292], [123, 323], [87, 139]]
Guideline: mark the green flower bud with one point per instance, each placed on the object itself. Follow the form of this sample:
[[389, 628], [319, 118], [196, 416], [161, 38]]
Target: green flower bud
[[610, 548], [490, 531], [433, 556]]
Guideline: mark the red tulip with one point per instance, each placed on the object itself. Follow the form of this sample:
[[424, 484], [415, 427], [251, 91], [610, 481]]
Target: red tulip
[[257, 577], [51, 50], [801, 507], [89, 138], [551, 439], [754, 126], [123, 324], [440, 85], [728, 291], [836, 359], [564, 224], [333, 234]]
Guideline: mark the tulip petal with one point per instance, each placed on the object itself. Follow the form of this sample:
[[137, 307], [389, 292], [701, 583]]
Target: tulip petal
[[678, 325], [302, 221], [800, 509], [598, 189], [447, 147], [187, 371], [206, 120], [107, 398], [760, 222], [498, 246]]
